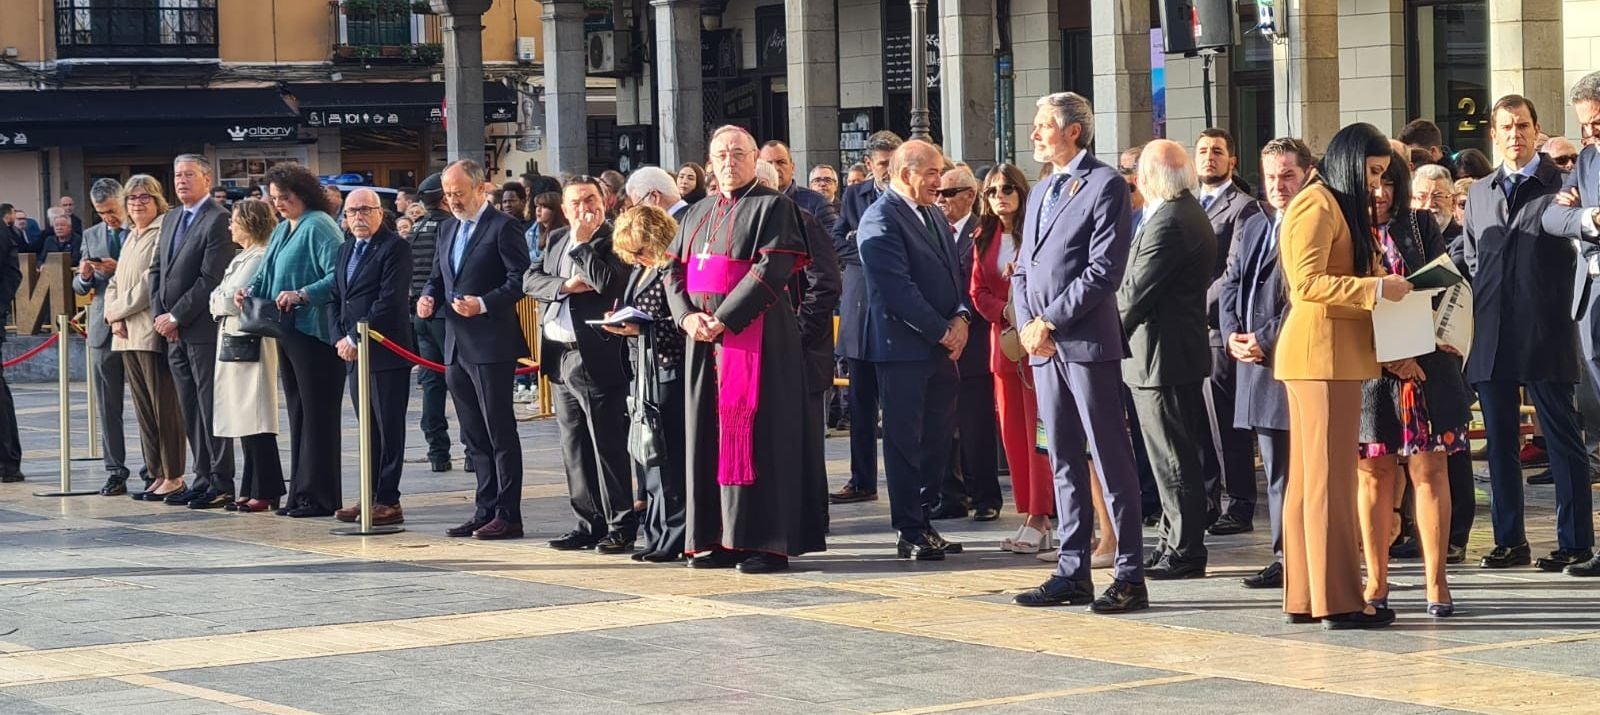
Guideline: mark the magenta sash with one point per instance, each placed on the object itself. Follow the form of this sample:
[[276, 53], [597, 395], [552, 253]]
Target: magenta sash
[[738, 372]]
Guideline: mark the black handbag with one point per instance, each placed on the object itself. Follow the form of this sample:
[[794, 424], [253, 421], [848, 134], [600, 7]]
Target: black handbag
[[646, 440], [260, 316], [239, 348]]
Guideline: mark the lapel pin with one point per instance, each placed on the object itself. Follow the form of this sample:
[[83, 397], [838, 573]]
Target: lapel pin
[[1072, 189]]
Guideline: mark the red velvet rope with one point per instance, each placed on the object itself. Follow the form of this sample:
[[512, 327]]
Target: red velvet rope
[[41, 347], [416, 359]]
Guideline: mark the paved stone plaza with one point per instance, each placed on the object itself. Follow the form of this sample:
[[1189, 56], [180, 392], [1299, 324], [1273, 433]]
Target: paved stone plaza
[[113, 606]]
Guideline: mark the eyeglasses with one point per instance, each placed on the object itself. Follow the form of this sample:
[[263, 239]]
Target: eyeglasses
[[361, 210], [953, 191], [1565, 159], [1000, 189], [140, 198], [824, 180], [1437, 197], [737, 155]]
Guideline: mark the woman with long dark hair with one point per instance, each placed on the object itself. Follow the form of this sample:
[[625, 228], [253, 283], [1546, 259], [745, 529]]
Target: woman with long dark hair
[[297, 273], [1417, 410], [1335, 276], [691, 182]]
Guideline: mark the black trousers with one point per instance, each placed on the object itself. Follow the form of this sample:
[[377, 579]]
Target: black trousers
[[1274, 445], [1149, 496], [975, 472], [262, 476], [1230, 459], [435, 427], [391, 395], [864, 426], [110, 385], [919, 405], [1463, 496], [482, 396], [313, 387], [194, 374], [10, 439], [593, 417], [666, 497], [1174, 422]]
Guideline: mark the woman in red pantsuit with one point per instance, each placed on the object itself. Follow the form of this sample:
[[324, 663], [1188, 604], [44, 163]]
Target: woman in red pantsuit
[[1000, 212]]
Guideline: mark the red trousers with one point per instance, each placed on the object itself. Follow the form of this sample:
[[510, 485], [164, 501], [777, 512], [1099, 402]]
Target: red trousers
[[1017, 408]]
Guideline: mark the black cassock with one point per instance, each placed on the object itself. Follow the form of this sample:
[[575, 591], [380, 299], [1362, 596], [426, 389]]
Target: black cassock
[[782, 512]]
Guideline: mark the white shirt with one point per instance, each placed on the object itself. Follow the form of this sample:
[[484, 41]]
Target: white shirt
[[961, 225], [1005, 254], [1072, 165], [675, 207], [1206, 191], [558, 324]]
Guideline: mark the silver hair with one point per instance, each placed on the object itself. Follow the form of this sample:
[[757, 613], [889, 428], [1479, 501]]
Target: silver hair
[[1071, 108], [472, 169], [652, 178], [104, 190], [767, 174], [1433, 172], [1586, 89], [732, 129], [1166, 171], [54, 212], [963, 177], [199, 160], [822, 167]]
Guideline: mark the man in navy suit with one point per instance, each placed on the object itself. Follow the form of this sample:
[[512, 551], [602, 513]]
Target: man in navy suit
[[776, 153], [863, 484], [372, 282], [476, 283], [1074, 250], [915, 330], [1252, 303], [1576, 214]]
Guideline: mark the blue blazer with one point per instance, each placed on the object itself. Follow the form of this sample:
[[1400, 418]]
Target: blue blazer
[[914, 286], [853, 297], [1252, 293], [1071, 263], [379, 293], [1568, 222], [492, 267], [815, 203]]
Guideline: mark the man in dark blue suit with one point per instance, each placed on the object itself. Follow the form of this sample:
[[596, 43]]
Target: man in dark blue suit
[[1576, 214], [776, 153], [478, 270], [372, 282], [1074, 250], [1252, 304], [863, 484], [915, 330]]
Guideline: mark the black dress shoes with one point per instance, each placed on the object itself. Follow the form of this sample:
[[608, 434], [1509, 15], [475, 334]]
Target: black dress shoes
[[1351, 621], [949, 547], [1269, 577], [464, 530], [949, 511], [1299, 619], [1542, 479], [986, 513], [497, 530], [1585, 569], [1455, 554], [183, 497], [1172, 569], [301, 512], [764, 563], [1057, 591], [439, 465], [1560, 559], [1122, 597], [115, 486], [614, 543], [1229, 524], [717, 559], [1154, 557], [574, 540], [212, 500], [1504, 557], [919, 549], [11, 475]]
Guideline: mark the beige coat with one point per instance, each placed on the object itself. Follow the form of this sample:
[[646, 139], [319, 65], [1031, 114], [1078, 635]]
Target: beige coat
[[127, 298], [246, 393]]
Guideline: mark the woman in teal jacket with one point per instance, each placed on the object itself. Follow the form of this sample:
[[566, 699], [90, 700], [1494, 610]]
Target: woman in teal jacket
[[298, 272]]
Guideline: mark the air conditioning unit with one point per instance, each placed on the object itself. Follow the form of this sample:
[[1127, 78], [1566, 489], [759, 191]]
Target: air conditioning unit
[[527, 50], [609, 53]]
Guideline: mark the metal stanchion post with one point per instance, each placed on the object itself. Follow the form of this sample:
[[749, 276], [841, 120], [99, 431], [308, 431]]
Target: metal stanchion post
[[64, 393], [93, 393], [364, 433]]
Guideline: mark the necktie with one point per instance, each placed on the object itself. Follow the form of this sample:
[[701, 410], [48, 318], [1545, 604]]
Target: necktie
[[1207, 200], [182, 231], [355, 260], [1512, 180], [932, 224], [1056, 182], [460, 248], [114, 243]]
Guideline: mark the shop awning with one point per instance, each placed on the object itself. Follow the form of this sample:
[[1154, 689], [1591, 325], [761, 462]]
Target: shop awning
[[104, 117], [385, 104]]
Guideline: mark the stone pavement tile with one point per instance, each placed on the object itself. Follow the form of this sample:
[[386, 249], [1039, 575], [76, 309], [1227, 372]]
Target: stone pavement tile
[[169, 517], [8, 516], [1210, 696], [792, 598], [11, 705], [91, 686], [741, 704], [1411, 633], [1579, 658], [113, 698]]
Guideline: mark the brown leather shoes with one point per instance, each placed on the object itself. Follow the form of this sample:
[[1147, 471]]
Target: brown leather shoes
[[495, 530], [349, 514], [382, 514]]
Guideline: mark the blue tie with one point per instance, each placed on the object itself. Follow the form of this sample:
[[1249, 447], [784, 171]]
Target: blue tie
[[1206, 201], [1055, 192], [1511, 186], [181, 231], [355, 261], [460, 248]]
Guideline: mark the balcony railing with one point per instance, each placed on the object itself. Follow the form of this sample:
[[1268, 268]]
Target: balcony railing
[[386, 31], [136, 28]]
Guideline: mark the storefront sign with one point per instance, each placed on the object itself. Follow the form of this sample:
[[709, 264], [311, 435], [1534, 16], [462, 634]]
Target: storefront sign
[[401, 116], [11, 139], [772, 42], [43, 292], [260, 133], [219, 132]]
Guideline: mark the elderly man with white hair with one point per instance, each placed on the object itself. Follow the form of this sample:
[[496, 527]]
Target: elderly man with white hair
[[1162, 303], [654, 186]]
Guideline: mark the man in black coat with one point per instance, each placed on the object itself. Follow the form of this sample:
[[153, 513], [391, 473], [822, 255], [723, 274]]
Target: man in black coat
[[372, 283], [1230, 465], [476, 283], [194, 249], [10, 281], [430, 333], [1252, 304], [863, 396], [581, 279], [1162, 303], [1524, 338], [777, 154]]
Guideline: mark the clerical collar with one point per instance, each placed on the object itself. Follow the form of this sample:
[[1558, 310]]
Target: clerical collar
[[740, 192]]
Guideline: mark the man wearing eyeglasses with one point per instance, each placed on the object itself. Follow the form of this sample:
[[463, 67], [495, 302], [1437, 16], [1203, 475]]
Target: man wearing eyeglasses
[[825, 180], [102, 245], [1576, 214]]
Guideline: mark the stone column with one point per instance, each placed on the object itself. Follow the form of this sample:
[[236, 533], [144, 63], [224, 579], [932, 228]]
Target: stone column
[[1121, 31], [1582, 27], [681, 107], [811, 31], [565, 114], [1525, 56], [1306, 72], [966, 79], [1036, 53], [1372, 59], [463, 76]]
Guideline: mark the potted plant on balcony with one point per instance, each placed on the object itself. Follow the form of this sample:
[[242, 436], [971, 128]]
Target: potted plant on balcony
[[360, 10]]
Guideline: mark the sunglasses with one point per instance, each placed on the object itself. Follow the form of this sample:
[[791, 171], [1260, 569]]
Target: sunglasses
[[1000, 189], [1565, 160], [953, 192]]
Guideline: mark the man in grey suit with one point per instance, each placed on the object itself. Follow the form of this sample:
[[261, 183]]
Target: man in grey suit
[[102, 246], [1251, 308], [1230, 463], [194, 249], [1161, 302], [1575, 214], [1073, 252]]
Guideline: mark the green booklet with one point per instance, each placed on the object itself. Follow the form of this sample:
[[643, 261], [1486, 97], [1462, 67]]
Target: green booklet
[[1439, 273]]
